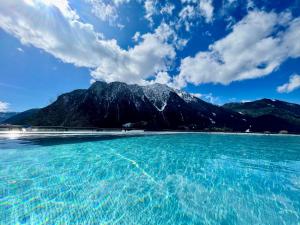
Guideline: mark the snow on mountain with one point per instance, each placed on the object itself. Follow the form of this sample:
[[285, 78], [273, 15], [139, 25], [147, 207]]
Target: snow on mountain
[[188, 98], [158, 95], [116, 104]]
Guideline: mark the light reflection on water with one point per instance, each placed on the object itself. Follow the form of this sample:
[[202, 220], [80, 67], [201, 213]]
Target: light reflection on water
[[159, 179]]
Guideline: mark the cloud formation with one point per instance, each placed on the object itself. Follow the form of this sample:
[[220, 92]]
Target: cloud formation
[[106, 10], [151, 9], [191, 13], [256, 46], [207, 97], [293, 84], [55, 28], [206, 9], [150, 57], [192, 10], [3, 106]]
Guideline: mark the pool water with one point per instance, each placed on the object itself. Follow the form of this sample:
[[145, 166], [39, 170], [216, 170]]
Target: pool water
[[155, 179]]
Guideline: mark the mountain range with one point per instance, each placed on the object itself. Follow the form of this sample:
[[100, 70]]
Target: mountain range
[[158, 107], [270, 115], [6, 115]]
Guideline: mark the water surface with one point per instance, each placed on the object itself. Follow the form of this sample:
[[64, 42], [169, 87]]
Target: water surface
[[157, 179]]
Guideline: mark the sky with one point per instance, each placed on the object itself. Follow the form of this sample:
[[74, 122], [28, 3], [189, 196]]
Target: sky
[[220, 50]]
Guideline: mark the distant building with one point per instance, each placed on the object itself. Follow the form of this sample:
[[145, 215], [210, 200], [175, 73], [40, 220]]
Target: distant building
[[283, 132]]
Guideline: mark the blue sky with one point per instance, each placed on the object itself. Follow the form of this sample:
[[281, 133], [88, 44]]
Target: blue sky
[[221, 50]]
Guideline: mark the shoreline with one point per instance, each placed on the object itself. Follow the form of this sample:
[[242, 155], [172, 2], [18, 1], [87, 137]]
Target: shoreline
[[16, 134]]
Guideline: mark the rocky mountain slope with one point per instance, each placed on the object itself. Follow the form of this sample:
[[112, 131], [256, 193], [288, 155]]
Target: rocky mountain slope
[[158, 107], [270, 115], [116, 104], [6, 115]]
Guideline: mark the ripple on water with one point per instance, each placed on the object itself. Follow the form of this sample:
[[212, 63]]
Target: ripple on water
[[167, 179]]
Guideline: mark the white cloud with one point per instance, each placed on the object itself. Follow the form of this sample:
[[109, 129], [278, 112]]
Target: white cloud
[[3, 106], [20, 49], [162, 78], [119, 2], [255, 48], [136, 37], [157, 8], [104, 11], [61, 5], [250, 4], [166, 32], [151, 56], [210, 98], [107, 10], [192, 10], [197, 95], [167, 8], [206, 97], [247, 100], [61, 33], [293, 84], [206, 10], [187, 12], [291, 38], [189, 15], [63, 36], [151, 9], [186, 16]]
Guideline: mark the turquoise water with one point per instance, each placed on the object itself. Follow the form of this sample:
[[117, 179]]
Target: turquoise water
[[159, 179]]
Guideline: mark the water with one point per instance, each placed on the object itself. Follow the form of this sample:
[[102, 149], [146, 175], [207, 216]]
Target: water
[[159, 179]]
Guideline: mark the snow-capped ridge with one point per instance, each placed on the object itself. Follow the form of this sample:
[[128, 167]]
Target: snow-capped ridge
[[188, 98], [158, 95]]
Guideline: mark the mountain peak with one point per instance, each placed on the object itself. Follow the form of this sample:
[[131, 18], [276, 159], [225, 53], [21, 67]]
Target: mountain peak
[[97, 85], [157, 106], [158, 94], [154, 106], [267, 100]]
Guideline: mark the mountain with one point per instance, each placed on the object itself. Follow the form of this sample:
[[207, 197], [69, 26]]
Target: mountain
[[116, 104], [158, 107], [6, 115], [23, 118], [270, 115]]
